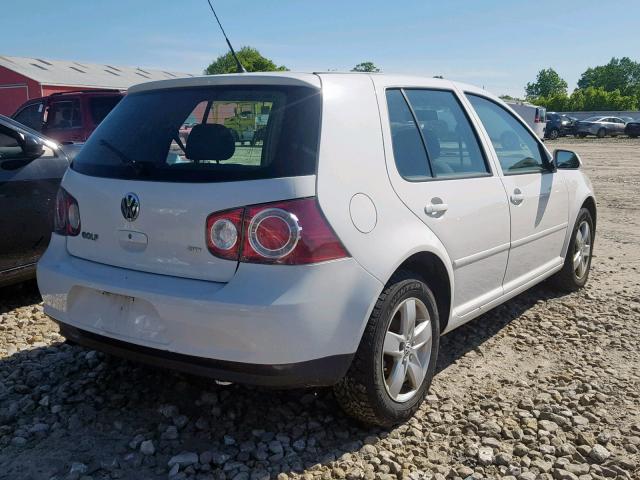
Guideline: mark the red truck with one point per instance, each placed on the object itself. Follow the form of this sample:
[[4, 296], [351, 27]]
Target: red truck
[[68, 116]]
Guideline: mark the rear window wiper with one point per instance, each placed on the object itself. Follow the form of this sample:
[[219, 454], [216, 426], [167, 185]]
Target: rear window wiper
[[123, 157], [141, 167]]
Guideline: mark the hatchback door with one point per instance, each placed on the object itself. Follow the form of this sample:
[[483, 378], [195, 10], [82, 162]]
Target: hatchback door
[[538, 196], [145, 187], [442, 174]]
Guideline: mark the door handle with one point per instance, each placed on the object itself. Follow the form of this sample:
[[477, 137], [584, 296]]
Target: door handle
[[436, 207], [517, 197]]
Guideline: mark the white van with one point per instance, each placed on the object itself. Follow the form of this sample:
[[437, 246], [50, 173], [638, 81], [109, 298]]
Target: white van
[[376, 213], [535, 116]]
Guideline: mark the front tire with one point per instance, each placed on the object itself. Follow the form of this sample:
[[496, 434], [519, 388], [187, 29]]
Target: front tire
[[577, 263], [395, 362], [554, 133]]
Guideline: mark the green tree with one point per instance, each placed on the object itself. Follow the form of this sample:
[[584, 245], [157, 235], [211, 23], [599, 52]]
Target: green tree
[[509, 98], [547, 83], [555, 103], [365, 67], [621, 74], [250, 58], [588, 99]]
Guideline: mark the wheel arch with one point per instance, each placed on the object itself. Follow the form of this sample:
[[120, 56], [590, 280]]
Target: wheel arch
[[433, 270], [584, 199], [590, 204]]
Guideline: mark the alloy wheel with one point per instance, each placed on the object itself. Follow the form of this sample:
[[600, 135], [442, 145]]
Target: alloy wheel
[[582, 250], [407, 350]]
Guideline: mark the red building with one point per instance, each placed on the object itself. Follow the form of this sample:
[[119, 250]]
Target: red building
[[22, 78]]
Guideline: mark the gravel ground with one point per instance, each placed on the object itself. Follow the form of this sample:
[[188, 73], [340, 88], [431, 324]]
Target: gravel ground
[[543, 387]]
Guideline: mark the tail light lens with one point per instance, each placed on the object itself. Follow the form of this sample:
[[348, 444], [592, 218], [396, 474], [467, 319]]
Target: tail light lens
[[537, 119], [67, 214], [224, 233], [292, 232]]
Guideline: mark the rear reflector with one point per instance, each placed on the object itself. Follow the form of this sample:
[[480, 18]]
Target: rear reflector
[[293, 232]]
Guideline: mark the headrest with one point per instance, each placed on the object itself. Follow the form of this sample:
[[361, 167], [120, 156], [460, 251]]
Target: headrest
[[210, 141], [427, 115]]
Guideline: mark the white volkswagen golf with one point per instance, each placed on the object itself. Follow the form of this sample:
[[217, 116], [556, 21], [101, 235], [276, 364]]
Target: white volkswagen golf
[[309, 229]]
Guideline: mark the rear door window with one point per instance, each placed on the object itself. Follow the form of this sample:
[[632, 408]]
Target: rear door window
[[207, 135], [64, 114], [432, 135]]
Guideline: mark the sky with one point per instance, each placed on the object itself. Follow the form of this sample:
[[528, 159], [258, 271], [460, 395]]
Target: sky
[[496, 44]]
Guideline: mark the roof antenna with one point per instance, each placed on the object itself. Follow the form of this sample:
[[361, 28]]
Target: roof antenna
[[239, 67]]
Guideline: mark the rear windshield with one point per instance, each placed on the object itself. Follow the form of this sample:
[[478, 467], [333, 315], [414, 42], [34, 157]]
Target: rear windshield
[[212, 134]]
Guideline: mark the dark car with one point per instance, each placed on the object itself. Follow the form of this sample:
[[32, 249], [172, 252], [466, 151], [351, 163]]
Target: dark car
[[69, 116], [31, 167], [559, 125], [632, 129]]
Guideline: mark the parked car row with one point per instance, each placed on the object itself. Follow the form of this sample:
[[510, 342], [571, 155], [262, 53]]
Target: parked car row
[[560, 125], [31, 167]]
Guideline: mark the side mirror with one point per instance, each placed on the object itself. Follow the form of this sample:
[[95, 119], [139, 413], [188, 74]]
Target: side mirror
[[32, 147], [566, 159]]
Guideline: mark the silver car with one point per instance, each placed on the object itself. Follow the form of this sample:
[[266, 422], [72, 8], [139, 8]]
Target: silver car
[[600, 126]]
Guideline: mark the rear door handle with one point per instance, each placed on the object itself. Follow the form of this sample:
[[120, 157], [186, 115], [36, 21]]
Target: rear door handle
[[517, 197], [436, 207]]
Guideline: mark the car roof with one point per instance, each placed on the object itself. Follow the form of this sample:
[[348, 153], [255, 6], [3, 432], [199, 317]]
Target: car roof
[[305, 79]]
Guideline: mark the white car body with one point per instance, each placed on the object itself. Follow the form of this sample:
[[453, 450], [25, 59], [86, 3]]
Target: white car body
[[165, 295]]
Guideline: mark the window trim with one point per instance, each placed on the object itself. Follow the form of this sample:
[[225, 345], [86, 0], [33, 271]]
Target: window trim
[[547, 162], [474, 129]]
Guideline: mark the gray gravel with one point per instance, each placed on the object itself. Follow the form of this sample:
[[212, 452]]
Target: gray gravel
[[544, 387]]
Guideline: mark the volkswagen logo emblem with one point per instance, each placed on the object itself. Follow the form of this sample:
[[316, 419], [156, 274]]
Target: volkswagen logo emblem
[[130, 206]]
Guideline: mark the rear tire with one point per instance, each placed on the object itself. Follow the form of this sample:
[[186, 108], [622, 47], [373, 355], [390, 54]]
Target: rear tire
[[581, 135], [601, 133], [577, 263], [383, 385]]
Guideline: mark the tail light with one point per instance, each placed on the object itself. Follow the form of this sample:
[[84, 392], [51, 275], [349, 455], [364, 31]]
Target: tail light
[[537, 119], [292, 232], [224, 233], [67, 214]]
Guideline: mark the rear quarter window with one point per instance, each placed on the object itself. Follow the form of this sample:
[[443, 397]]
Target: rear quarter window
[[211, 134]]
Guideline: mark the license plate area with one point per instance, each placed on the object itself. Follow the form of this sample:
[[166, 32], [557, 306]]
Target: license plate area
[[118, 316]]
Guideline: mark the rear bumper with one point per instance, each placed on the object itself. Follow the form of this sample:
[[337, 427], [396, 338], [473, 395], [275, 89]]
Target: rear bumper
[[319, 372], [266, 317]]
